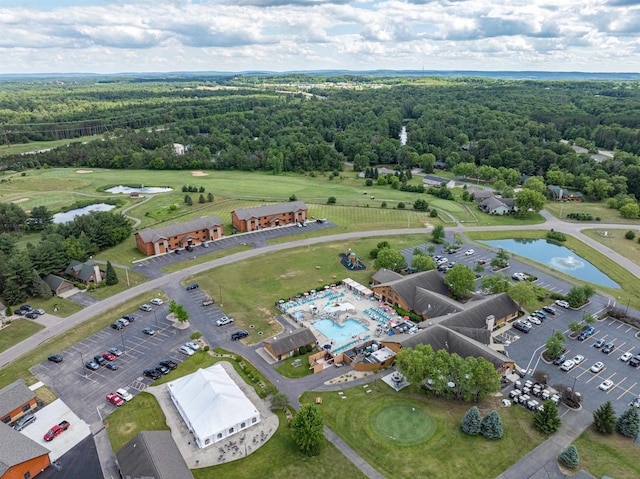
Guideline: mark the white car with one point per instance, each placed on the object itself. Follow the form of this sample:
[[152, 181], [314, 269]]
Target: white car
[[123, 321], [145, 307], [519, 276], [469, 252], [597, 367], [186, 350], [568, 365], [156, 301], [224, 320], [442, 261], [578, 359], [124, 394], [562, 303], [534, 320], [626, 356], [192, 345], [606, 385]]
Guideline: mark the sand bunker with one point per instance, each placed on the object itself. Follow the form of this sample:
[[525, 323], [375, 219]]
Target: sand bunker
[[84, 171], [21, 200], [199, 173]]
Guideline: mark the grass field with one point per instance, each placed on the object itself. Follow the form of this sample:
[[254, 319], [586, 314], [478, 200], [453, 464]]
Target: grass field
[[446, 454], [18, 330], [122, 285], [403, 423], [596, 209], [55, 305], [286, 368], [16, 149], [617, 242], [612, 456]]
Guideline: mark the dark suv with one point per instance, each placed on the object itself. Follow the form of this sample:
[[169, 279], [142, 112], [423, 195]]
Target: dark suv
[[152, 373], [100, 360], [635, 361], [168, 363], [192, 286], [239, 335]]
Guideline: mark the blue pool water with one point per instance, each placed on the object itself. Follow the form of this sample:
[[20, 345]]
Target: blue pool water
[[556, 257], [339, 334]]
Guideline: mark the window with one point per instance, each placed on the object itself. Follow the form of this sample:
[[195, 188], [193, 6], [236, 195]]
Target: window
[[231, 430], [253, 420], [26, 407], [207, 441], [27, 475], [243, 425], [219, 436], [6, 420]]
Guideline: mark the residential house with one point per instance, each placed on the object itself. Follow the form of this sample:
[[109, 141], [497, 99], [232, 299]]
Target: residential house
[[58, 285], [20, 457], [439, 165], [435, 181], [152, 455], [285, 345], [497, 206], [179, 235], [268, 216], [16, 400], [87, 272], [479, 195], [557, 193], [178, 149]]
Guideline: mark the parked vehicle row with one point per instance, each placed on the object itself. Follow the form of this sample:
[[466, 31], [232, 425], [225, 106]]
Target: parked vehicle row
[[28, 311]]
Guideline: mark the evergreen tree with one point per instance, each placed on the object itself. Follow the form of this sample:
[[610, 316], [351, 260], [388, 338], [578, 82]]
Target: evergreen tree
[[307, 426], [112, 277], [546, 419], [40, 288], [188, 200], [569, 457], [604, 419], [210, 197], [629, 423], [201, 189], [201, 199], [471, 422], [491, 426]]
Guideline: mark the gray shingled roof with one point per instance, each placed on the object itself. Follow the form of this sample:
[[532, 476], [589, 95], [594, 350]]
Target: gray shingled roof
[[16, 448], [152, 455], [476, 312], [411, 288], [385, 275], [492, 202], [82, 271], [480, 195], [177, 229], [290, 341], [13, 396], [268, 210], [54, 281]]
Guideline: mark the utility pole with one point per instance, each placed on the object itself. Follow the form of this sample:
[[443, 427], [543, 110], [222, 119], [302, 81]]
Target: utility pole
[[6, 136]]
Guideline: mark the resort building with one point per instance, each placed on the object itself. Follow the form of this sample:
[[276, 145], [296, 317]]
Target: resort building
[[269, 216], [20, 457], [285, 345], [179, 235], [16, 400], [152, 454]]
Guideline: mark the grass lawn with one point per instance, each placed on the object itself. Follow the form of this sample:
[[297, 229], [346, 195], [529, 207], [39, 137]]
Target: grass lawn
[[142, 413], [17, 148], [449, 451], [18, 330], [280, 457], [107, 291], [617, 242], [596, 209], [613, 456], [63, 306], [250, 298], [286, 368]]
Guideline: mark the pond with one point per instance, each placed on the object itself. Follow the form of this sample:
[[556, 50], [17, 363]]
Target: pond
[[67, 216], [143, 189], [556, 257]]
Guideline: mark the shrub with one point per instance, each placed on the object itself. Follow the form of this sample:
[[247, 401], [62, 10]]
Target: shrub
[[331, 200], [401, 206], [556, 235], [491, 426], [604, 419], [472, 421], [628, 423], [206, 348], [433, 214], [546, 419], [383, 205], [569, 457], [629, 235], [196, 335], [369, 182]]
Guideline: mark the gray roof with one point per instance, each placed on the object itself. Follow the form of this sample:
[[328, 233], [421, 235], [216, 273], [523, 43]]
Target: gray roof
[[492, 202], [54, 281], [152, 455], [411, 288], [385, 275], [14, 396], [16, 448], [476, 312], [291, 341], [480, 195], [82, 271], [176, 229], [269, 210]]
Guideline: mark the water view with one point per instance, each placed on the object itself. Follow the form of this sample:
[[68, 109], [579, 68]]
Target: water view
[[556, 257], [143, 189], [69, 215]]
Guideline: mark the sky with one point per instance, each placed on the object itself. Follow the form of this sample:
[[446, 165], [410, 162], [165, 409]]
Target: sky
[[117, 36]]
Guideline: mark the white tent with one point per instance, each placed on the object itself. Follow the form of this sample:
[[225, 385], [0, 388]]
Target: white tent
[[212, 405]]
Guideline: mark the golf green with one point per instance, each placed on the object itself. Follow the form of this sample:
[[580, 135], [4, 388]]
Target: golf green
[[403, 423]]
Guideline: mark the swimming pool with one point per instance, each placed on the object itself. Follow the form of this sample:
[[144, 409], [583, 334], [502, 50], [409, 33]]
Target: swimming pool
[[339, 333]]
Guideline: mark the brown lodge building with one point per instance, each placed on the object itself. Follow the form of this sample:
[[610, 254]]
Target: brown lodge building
[[178, 235], [268, 216]]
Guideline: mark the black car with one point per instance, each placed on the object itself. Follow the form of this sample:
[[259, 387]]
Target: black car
[[522, 327], [152, 373], [608, 348], [31, 315], [129, 317], [20, 312], [162, 369], [167, 363], [27, 308], [117, 325], [92, 365], [178, 251], [239, 335], [635, 361], [100, 360], [192, 286], [56, 358], [25, 421], [549, 310], [112, 366], [559, 360]]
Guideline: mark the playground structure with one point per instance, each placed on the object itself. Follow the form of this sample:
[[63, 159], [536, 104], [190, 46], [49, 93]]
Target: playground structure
[[350, 261]]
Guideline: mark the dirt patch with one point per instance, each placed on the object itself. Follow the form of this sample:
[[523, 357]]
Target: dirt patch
[[127, 428], [199, 173], [82, 172], [290, 274], [21, 200]]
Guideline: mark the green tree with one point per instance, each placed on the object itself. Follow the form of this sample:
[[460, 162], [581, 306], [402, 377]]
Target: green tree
[[7, 243], [576, 297], [39, 217], [535, 183], [331, 200], [178, 311], [201, 199], [307, 429], [491, 426], [555, 344], [390, 259], [420, 205], [49, 255], [628, 423], [112, 277], [40, 287], [604, 419], [630, 210], [523, 293], [210, 197], [497, 283], [437, 235], [460, 280], [546, 420], [293, 198], [569, 457], [630, 235], [279, 401], [471, 422], [464, 169], [575, 326], [422, 262], [188, 200], [529, 200]]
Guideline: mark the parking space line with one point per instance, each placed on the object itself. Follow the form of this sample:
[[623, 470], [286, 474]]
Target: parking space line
[[595, 376], [621, 325], [627, 390], [629, 329]]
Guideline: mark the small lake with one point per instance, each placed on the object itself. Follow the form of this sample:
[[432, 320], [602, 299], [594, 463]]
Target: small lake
[[71, 214], [555, 257], [143, 189]]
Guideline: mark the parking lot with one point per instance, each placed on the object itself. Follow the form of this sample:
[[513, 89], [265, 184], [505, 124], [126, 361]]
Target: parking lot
[[84, 390]]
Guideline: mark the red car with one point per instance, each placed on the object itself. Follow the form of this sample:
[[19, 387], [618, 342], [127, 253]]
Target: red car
[[56, 430], [115, 399], [108, 356], [481, 261]]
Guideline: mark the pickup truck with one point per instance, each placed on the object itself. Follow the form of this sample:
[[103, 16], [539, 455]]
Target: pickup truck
[[56, 430]]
